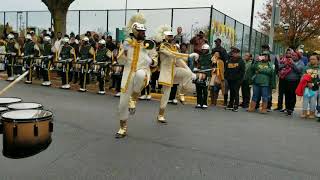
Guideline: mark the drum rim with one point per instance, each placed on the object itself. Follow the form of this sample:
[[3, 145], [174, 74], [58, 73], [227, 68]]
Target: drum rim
[[1, 104], [41, 106], [3, 119]]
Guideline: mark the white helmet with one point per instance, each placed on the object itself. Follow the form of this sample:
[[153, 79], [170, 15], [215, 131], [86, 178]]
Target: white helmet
[[85, 38], [28, 36], [10, 36], [137, 27], [168, 33], [205, 46], [102, 41], [66, 39], [47, 38]]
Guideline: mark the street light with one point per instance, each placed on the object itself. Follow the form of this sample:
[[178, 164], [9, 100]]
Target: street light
[[286, 27], [195, 23]]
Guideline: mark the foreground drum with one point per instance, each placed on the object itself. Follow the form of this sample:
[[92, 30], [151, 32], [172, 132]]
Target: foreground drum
[[5, 101], [117, 70], [19, 61], [201, 78], [24, 106], [2, 110], [26, 132]]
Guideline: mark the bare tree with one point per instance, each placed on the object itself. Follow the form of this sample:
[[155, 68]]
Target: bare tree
[[59, 10]]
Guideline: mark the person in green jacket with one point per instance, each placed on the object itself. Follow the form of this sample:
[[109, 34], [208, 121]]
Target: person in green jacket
[[204, 73], [262, 80]]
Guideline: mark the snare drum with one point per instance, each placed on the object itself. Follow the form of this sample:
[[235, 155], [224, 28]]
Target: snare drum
[[24, 106], [201, 78], [59, 66], [97, 67], [26, 132], [117, 69], [5, 101]]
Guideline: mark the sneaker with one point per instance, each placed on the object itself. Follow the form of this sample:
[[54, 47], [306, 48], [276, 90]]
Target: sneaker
[[10, 78], [46, 83], [235, 109], [102, 92], [175, 101], [198, 106], [143, 97], [229, 108], [118, 94], [318, 114], [278, 109], [283, 110], [205, 106], [289, 112], [269, 110], [66, 86], [82, 90], [28, 82], [148, 97], [170, 101]]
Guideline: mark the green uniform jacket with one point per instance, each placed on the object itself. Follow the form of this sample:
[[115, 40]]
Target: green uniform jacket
[[205, 63]]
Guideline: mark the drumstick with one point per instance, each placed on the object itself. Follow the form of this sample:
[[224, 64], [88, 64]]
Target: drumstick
[[14, 82]]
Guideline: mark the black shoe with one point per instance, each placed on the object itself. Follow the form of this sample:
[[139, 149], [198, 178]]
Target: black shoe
[[229, 108], [283, 110], [277, 109], [235, 109], [120, 136], [153, 91], [289, 112]]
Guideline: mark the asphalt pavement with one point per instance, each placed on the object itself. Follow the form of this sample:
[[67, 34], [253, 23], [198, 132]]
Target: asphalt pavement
[[195, 145]]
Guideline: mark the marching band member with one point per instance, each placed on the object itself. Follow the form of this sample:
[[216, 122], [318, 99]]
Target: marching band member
[[47, 60], [137, 59], [103, 55], [173, 69], [31, 50], [86, 52], [66, 52], [14, 49]]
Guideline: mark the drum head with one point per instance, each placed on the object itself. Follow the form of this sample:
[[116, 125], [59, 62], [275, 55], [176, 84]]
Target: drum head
[[26, 115], [22, 106], [3, 109], [9, 100]]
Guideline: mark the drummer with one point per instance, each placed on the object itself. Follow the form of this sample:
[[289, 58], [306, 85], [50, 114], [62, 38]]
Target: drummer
[[102, 55], [66, 52], [86, 52], [46, 50], [31, 50], [13, 48], [202, 82]]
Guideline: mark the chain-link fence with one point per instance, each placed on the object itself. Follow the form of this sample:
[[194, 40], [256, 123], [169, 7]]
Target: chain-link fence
[[209, 20]]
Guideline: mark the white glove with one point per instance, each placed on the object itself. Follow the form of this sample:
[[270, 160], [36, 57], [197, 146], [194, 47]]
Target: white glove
[[194, 76], [31, 56], [195, 56], [195, 69], [59, 58], [50, 56], [149, 60], [13, 54]]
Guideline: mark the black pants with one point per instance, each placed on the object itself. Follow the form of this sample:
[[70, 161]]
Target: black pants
[[116, 80], [10, 66], [234, 86], [153, 82], [75, 76], [84, 76], [226, 91], [101, 76], [146, 90], [45, 71], [290, 95], [66, 74], [202, 94], [245, 88], [29, 67], [173, 92], [281, 93]]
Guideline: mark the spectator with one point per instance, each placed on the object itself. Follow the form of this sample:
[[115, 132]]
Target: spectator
[[312, 87], [245, 86], [235, 70], [262, 74], [302, 57], [222, 51], [57, 43], [291, 70], [180, 37], [217, 77], [110, 45], [198, 41]]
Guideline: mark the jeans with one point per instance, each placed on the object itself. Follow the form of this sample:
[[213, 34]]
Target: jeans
[[309, 103], [260, 92]]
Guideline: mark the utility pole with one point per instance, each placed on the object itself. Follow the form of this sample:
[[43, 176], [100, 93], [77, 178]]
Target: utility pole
[[273, 16], [251, 25], [125, 12]]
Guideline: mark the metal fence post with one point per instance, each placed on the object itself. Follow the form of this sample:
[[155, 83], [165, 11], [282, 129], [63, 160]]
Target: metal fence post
[[27, 17], [79, 23], [171, 18], [108, 22], [242, 37], [210, 24]]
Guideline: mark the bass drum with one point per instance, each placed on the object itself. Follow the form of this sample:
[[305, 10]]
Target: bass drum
[[26, 132], [24, 106], [5, 101]]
